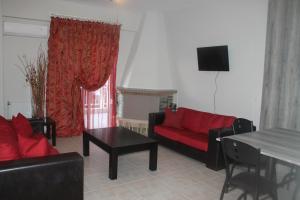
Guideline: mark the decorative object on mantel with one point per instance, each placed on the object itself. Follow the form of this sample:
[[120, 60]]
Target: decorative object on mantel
[[35, 75]]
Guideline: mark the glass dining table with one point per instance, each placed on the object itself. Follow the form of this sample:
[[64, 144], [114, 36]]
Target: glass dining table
[[278, 144]]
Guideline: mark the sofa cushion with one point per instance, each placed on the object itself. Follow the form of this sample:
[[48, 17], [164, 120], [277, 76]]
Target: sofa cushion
[[202, 122], [168, 132], [22, 125], [8, 142], [189, 138], [196, 121], [35, 146], [221, 121], [52, 151], [173, 119], [192, 139]]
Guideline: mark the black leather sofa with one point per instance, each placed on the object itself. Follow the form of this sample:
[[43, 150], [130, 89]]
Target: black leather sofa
[[58, 177], [213, 158]]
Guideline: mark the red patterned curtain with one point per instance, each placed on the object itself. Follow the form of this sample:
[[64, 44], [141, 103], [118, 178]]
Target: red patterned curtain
[[99, 107], [81, 55]]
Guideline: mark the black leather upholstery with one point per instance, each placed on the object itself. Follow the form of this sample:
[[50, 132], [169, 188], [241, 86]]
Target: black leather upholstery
[[58, 177], [241, 125], [154, 119]]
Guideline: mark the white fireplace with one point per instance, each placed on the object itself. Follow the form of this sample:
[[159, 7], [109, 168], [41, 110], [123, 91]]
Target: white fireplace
[[134, 105]]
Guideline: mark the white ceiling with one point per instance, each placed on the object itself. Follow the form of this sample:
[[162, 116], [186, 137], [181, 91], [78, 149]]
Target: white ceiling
[[142, 5]]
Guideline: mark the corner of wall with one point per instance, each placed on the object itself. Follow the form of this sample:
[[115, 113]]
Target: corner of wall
[[150, 66], [1, 65]]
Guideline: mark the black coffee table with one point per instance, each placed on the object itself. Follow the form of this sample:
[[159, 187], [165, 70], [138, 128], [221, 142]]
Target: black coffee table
[[118, 141]]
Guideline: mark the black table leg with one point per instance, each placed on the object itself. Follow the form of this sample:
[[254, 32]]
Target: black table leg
[[86, 145], [113, 165], [48, 130], [153, 157], [53, 136], [296, 193]]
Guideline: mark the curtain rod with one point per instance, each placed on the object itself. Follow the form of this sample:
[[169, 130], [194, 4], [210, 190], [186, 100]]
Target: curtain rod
[[83, 18], [48, 21]]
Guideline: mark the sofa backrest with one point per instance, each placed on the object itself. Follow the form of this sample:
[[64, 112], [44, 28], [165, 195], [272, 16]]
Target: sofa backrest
[[202, 122]]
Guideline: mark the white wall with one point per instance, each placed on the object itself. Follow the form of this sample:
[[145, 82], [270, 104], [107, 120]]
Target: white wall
[[240, 24], [1, 66], [151, 44], [150, 65], [15, 89]]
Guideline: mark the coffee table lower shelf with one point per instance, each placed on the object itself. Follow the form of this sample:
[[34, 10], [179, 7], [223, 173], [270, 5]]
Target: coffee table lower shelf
[[117, 141]]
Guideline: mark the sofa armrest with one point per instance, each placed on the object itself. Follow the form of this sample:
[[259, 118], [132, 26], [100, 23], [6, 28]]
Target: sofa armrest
[[154, 119], [215, 158], [57, 177]]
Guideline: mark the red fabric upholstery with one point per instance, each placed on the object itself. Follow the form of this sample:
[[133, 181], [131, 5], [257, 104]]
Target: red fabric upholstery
[[220, 121], [22, 125], [173, 119], [196, 140], [52, 151], [34, 146], [196, 121], [168, 132], [202, 122], [194, 126], [8, 142], [18, 141]]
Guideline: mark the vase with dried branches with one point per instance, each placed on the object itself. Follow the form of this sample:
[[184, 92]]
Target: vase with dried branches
[[35, 73]]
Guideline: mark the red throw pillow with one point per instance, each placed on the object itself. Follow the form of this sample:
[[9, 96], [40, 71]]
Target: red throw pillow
[[22, 125], [33, 146], [9, 149], [173, 119], [52, 151]]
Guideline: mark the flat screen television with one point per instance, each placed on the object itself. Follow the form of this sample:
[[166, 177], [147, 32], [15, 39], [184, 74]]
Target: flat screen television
[[213, 58]]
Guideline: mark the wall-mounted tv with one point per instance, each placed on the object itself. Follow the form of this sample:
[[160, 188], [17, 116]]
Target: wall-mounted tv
[[213, 58]]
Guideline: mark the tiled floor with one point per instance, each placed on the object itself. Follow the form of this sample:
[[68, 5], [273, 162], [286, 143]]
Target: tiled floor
[[177, 178]]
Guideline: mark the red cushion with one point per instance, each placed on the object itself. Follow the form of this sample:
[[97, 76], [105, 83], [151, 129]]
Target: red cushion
[[8, 141], [196, 121], [173, 119], [228, 121], [168, 132], [202, 122], [221, 121], [192, 139], [22, 125], [52, 151], [35, 146]]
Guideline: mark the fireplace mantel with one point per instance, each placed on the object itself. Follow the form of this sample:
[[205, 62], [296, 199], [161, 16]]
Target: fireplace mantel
[[146, 92], [137, 103]]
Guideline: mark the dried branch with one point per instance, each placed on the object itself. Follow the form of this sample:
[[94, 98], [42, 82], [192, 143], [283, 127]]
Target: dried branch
[[35, 75]]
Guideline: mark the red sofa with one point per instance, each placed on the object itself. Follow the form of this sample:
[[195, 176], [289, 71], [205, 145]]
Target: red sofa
[[30, 168], [192, 132]]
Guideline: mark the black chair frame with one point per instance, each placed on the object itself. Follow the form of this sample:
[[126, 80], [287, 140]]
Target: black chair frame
[[248, 156]]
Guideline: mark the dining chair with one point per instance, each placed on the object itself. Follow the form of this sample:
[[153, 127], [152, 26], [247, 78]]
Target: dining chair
[[250, 182], [241, 125]]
